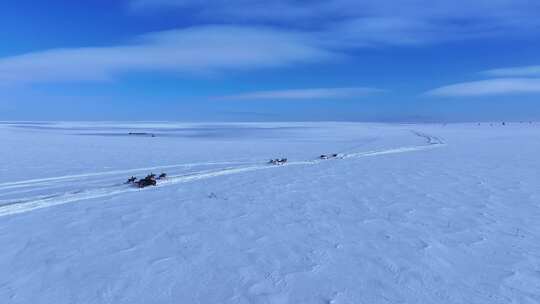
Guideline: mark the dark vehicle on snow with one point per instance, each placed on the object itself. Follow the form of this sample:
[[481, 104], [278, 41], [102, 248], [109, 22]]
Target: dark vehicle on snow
[[278, 161], [142, 134], [328, 156], [149, 180], [131, 180]]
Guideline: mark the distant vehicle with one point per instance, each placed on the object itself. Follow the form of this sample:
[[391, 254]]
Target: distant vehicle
[[328, 156], [149, 180], [146, 182], [142, 134], [278, 161], [131, 180]]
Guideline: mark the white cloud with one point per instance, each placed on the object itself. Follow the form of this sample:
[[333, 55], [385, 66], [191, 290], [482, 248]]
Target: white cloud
[[489, 87], [200, 49], [365, 22], [523, 71], [300, 94]]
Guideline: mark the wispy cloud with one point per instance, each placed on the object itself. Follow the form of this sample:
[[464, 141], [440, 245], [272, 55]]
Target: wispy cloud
[[365, 22], [303, 94], [500, 86], [522, 71], [192, 50], [293, 33]]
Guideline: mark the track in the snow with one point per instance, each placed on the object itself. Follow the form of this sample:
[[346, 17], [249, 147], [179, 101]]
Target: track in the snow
[[29, 203], [34, 182]]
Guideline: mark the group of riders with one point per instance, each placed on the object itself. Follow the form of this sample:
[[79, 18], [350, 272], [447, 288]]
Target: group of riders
[[328, 156], [278, 161], [151, 179], [282, 161]]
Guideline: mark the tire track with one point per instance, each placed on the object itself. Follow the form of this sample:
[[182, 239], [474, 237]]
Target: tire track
[[28, 204], [430, 139], [41, 181]]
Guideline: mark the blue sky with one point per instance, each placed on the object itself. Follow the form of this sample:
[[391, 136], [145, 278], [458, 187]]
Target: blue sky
[[246, 60]]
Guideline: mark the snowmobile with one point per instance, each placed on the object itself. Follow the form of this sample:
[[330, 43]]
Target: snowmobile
[[131, 180], [162, 176], [149, 180], [278, 161], [328, 156]]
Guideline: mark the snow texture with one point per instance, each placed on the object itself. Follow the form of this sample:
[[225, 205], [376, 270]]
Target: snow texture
[[407, 213]]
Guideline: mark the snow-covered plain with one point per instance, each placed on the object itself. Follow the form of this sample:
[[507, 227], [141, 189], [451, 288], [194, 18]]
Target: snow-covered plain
[[408, 213]]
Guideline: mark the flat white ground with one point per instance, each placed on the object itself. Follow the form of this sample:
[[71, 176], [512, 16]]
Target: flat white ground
[[405, 214]]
